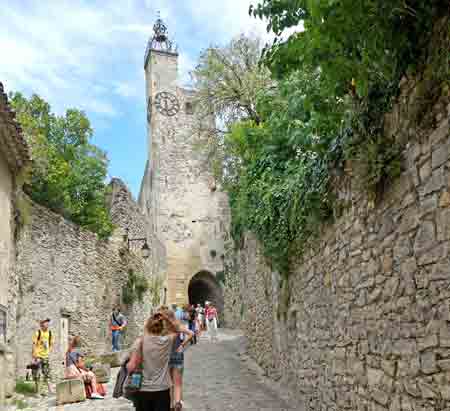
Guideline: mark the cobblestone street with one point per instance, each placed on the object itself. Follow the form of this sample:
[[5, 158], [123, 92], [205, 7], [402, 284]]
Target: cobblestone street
[[216, 379]]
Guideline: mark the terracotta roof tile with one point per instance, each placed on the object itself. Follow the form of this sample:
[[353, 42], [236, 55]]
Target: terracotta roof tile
[[12, 142]]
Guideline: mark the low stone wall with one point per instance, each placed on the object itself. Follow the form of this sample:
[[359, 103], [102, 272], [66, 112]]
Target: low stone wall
[[71, 276], [368, 324]]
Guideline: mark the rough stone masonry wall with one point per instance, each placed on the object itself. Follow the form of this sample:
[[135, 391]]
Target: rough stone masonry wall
[[368, 326], [68, 274]]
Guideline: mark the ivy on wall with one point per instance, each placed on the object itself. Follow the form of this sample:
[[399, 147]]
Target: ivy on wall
[[155, 288], [135, 288]]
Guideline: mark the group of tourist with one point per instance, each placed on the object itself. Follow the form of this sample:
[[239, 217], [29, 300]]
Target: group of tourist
[[159, 352], [198, 319]]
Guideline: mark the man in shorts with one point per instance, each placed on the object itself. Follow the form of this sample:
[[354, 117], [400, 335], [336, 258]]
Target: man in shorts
[[42, 346]]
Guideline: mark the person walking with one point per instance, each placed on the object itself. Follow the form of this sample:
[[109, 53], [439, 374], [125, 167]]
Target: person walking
[[75, 368], [192, 314], [117, 323], [152, 352], [42, 346], [211, 321], [176, 361], [198, 326], [201, 316], [179, 313]]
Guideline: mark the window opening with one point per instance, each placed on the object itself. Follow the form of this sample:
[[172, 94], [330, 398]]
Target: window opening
[[189, 108]]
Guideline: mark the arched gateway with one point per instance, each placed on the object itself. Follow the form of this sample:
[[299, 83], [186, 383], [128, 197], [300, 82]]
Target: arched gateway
[[205, 287]]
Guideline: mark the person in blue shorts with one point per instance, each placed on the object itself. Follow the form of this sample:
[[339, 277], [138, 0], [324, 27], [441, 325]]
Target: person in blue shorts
[[176, 361]]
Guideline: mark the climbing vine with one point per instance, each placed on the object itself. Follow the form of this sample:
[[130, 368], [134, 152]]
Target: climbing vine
[[135, 288], [155, 288]]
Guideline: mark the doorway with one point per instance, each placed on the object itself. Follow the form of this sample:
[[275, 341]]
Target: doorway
[[205, 287]]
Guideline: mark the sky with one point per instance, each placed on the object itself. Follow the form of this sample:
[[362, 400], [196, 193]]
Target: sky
[[88, 54]]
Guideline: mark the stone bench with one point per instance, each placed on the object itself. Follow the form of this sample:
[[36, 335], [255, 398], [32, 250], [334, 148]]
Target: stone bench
[[70, 391], [113, 359], [102, 372]]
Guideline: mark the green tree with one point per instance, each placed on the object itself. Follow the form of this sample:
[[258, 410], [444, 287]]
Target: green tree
[[371, 41], [227, 80], [68, 173]]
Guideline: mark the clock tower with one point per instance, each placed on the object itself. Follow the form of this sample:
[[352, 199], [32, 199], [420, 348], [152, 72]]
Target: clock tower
[[189, 216]]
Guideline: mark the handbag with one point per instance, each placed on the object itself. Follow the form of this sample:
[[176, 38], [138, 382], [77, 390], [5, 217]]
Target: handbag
[[133, 382]]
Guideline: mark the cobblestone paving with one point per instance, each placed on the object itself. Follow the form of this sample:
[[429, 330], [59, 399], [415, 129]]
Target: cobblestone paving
[[216, 379]]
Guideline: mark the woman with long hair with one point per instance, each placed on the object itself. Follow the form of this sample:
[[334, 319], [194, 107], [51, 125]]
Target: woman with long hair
[[176, 362], [75, 368], [152, 352]]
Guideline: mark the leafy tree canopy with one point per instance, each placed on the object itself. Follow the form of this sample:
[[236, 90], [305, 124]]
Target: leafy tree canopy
[[68, 173], [370, 41], [228, 81]]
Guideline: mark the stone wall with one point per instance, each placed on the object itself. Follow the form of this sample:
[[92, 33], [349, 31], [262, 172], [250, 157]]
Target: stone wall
[[14, 157], [368, 324], [6, 242], [71, 276]]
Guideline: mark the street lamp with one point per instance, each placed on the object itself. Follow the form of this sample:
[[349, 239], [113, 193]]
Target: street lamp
[[145, 249]]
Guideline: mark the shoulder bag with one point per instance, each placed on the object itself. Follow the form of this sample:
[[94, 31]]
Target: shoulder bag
[[133, 382]]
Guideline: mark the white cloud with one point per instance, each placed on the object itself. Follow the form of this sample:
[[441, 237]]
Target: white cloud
[[64, 51], [101, 107], [185, 65], [127, 90], [90, 54]]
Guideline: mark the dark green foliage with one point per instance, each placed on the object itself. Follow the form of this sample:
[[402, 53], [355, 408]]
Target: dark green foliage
[[371, 41], [68, 173], [135, 288]]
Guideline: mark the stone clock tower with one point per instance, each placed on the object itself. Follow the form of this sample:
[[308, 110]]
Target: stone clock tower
[[189, 215]]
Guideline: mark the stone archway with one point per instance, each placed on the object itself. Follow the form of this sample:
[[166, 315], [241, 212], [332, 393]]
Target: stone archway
[[205, 287]]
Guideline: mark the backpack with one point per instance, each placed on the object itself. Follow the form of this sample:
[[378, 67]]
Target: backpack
[[49, 336]]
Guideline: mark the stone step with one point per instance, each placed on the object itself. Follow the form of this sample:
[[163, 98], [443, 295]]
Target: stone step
[[102, 372]]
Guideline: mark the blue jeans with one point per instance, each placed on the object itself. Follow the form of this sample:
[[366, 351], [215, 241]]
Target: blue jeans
[[115, 340]]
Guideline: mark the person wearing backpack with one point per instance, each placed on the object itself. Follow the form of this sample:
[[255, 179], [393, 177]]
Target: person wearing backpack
[[117, 323], [42, 346]]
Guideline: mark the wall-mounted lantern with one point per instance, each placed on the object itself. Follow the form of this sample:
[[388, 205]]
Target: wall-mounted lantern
[[145, 249]]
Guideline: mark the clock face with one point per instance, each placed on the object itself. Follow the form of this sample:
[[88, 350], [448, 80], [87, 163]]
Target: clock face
[[167, 103]]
